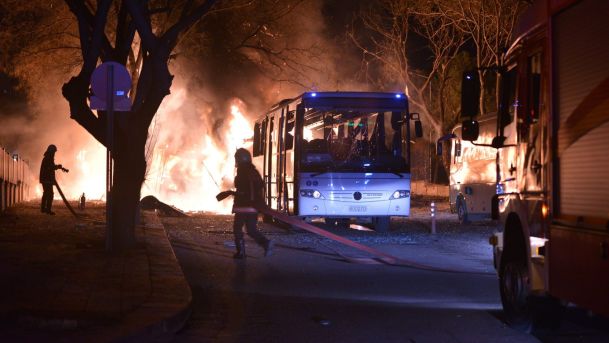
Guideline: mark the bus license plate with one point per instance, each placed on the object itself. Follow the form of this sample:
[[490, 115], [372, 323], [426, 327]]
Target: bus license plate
[[357, 208]]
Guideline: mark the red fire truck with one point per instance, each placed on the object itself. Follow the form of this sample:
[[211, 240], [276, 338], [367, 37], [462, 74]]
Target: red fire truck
[[552, 158]]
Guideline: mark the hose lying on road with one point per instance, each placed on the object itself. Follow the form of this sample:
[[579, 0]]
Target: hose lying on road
[[380, 256]]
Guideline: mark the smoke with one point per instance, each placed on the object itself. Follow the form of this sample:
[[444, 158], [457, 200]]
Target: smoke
[[215, 97], [30, 129]]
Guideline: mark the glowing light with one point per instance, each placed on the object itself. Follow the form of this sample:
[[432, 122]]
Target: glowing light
[[313, 94], [398, 96], [193, 157], [307, 134], [544, 211]]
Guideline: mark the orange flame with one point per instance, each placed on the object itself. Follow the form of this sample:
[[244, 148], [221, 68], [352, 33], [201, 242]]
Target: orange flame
[[190, 177], [191, 162]]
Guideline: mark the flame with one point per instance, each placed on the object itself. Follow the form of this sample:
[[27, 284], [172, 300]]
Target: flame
[[188, 174], [87, 173], [192, 158]]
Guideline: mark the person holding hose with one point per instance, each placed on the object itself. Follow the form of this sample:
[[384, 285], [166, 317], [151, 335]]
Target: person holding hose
[[47, 178], [248, 194]]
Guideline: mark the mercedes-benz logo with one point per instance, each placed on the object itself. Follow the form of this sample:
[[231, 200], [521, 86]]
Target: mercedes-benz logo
[[357, 195]]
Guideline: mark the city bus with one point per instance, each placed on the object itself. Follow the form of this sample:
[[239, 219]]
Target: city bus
[[552, 164], [337, 156], [473, 176]]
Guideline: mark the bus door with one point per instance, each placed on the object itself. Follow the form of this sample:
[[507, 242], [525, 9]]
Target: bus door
[[288, 163], [268, 158], [284, 169], [280, 158]]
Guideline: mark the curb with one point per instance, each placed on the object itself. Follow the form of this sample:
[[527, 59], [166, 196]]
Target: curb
[[178, 314]]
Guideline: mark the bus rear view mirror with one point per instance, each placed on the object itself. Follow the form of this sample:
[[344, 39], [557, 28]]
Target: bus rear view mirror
[[418, 129], [441, 140], [470, 129], [498, 142], [470, 94]]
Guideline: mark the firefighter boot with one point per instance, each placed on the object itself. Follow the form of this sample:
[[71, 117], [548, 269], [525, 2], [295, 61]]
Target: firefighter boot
[[240, 245], [268, 248]]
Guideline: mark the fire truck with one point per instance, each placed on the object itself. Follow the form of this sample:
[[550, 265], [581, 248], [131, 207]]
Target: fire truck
[[552, 142]]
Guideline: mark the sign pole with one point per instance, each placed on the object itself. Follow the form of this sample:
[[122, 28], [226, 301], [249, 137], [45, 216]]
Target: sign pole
[[110, 147], [110, 83]]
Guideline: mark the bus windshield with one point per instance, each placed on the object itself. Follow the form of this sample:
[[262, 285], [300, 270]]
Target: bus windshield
[[354, 142]]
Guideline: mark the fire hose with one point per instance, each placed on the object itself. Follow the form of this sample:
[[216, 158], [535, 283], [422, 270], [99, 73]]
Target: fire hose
[[380, 256], [65, 201]]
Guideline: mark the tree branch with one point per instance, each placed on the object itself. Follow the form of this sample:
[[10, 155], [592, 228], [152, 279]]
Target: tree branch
[[171, 36], [142, 25]]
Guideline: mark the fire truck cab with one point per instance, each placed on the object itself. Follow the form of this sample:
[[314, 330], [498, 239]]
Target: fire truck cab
[[552, 159]]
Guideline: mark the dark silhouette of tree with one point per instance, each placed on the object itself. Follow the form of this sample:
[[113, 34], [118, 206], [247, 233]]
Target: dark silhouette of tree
[[145, 45]]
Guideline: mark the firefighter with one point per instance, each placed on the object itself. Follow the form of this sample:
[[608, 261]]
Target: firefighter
[[47, 178], [249, 185]]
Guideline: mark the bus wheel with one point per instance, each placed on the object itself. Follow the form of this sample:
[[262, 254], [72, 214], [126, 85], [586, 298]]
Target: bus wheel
[[381, 224], [462, 211], [514, 290]]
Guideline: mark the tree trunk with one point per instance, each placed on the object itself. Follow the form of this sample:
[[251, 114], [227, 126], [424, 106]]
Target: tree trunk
[[129, 170]]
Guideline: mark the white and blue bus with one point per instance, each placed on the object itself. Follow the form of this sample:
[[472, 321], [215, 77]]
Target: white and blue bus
[[337, 156]]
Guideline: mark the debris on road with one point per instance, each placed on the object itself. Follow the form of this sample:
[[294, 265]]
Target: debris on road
[[152, 203]]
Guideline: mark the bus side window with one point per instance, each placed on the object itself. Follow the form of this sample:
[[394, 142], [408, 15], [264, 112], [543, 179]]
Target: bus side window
[[256, 148], [263, 136], [289, 137], [457, 157]]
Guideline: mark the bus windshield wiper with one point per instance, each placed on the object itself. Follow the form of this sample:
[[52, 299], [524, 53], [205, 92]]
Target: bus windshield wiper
[[317, 174]]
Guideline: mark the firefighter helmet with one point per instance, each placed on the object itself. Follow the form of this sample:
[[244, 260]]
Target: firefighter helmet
[[242, 156], [52, 148]]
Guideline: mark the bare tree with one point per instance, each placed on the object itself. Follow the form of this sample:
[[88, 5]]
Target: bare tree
[[490, 25], [146, 48], [389, 27]]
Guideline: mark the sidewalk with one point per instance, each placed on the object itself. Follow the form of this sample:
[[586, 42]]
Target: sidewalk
[[58, 283]]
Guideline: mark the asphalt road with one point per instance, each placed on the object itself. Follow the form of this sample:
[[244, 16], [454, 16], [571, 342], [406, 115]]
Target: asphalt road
[[309, 292], [306, 292]]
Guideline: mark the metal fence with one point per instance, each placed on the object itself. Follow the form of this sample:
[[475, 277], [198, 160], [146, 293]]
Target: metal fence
[[16, 180]]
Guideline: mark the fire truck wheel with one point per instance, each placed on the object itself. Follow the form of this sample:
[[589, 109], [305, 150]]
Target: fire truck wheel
[[462, 211], [514, 290], [381, 224]]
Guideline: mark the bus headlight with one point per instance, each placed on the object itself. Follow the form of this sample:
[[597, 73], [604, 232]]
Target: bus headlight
[[311, 193], [400, 194]]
